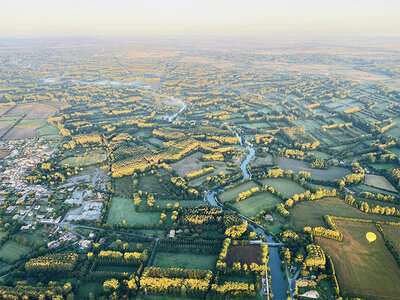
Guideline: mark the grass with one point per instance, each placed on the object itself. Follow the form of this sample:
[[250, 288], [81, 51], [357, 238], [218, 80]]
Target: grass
[[285, 186], [86, 287], [184, 260], [331, 173], [253, 205], [231, 194], [364, 269], [91, 158], [379, 182], [393, 234], [311, 213], [124, 186], [12, 251], [259, 160], [124, 209], [117, 269]]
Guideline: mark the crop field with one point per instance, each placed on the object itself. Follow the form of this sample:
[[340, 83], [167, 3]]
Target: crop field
[[311, 213], [124, 186], [48, 130], [4, 153], [285, 186], [364, 269], [367, 188], [124, 209], [4, 129], [150, 184], [4, 109], [91, 158], [331, 173], [231, 194], [11, 251], [33, 110], [379, 182], [32, 122], [188, 164], [258, 160], [18, 132], [253, 205], [244, 255], [393, 234], [184, 261]]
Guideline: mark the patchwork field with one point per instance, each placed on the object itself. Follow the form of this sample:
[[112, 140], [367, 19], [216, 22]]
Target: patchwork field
[[379, 182], [231, 194], [311, 213], [184, 260], [364, 269], [253, 205], [124, 209], [285, 186]]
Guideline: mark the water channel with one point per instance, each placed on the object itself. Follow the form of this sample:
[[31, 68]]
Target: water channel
[[278, 282]]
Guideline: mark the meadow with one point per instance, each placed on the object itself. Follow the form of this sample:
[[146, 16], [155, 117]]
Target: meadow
[[331, 173], [393, 235], [232, 193], [11, 251], [253, 205], [379, 182], [311, 213], [124, 209], [184, 260], [93, 157], [285, 186], [364, 269]]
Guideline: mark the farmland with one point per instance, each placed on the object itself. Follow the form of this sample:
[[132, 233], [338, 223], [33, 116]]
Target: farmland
[[311, 213], [286, 187], [111, 154], [123, 209], [184, 260], [364, 269], [253, 205]]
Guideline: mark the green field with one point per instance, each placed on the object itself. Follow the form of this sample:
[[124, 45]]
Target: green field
[[86, 287], [259, 160], [331, 173], [231, 194], [12, 251], [311, 213], [123, 209], [91, 158], [117, 269], [184, 260], [124, 186], [253, 205], [379, 182], [285, 186], [393, 234], [364, 269]]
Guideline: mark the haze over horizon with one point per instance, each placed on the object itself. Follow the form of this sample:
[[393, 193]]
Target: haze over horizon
[[189, 17]]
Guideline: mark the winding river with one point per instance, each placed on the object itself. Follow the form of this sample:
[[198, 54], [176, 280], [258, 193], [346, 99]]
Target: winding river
[[278, 282]]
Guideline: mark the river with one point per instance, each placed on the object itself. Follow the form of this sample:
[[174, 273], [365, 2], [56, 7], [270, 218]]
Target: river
[[278, 282]]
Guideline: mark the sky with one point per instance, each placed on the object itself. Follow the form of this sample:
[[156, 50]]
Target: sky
[[199, 17]]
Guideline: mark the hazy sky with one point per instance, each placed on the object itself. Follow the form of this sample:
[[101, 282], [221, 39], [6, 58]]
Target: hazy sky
[[210, 17]]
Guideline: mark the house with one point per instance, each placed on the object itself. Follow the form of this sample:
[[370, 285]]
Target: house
[[84, 244], [310, 294], [52, 244], [171, 233]]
